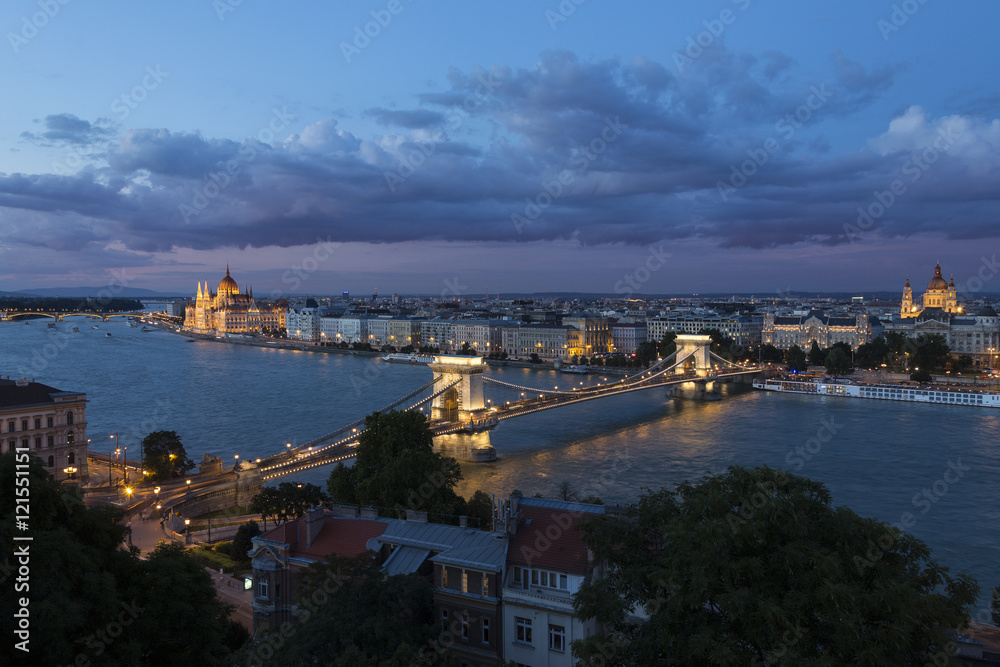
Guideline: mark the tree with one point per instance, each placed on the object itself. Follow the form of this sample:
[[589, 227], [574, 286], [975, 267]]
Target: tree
[[667, 345], [292, 500], [645, 354], [769, 353], [361, 617], [480, 507], [164, 455], [928, 351], [873, 354], [161, 611], [795, 359], [755, 566], [267, 504], [838, 363], [467, 350], [817, 357], [242, 541], [922, 376], [396, 467]]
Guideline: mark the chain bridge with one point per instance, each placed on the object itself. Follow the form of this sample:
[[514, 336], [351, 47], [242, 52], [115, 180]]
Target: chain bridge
[[463, 405]]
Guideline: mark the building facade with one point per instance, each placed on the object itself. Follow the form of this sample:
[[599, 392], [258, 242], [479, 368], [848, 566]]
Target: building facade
[[540, 623], [303, 321], [977, 336], [48, 422], [596, 334], [784, 331], [627, 337], [228, 311], [743, 330]]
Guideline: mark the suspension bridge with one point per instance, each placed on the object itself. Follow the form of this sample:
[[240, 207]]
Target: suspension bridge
[[465, 405]]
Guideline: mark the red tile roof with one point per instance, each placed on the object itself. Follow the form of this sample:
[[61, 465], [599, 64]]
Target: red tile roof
[[343, 537], [551, 540]]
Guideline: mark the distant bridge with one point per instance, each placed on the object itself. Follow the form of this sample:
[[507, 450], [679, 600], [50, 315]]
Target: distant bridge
[[461, 416], [58, 315]]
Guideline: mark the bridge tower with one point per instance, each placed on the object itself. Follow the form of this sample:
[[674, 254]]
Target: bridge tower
[[462, 405], [699, 345]]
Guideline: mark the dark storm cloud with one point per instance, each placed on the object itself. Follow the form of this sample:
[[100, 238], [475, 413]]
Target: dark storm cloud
[[593, 151]]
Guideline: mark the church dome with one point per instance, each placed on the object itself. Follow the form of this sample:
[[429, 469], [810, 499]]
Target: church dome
[[228, 285], [937, 283]]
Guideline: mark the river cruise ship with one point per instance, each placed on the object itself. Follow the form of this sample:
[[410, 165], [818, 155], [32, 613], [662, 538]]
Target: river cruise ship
[[407, 359], [948, 395]]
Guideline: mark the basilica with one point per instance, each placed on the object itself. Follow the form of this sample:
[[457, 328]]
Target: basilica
[[227, 311], [940, 294]]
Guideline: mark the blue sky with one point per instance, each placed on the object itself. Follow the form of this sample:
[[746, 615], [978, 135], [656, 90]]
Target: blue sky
[[527, 146]]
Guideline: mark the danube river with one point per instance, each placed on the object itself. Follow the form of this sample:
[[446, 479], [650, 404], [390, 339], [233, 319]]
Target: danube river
[[934, 466]]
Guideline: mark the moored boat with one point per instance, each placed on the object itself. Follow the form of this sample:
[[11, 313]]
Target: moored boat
[[931, 393], [398, 358]]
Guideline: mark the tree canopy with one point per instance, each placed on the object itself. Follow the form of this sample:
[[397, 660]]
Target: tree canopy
[[755, 566], [928, 351], [817, 355], [838, 362], [94, 602], [795, 359], [164, 455], [396, 466]]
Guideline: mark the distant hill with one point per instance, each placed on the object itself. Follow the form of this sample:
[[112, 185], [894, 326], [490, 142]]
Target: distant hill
[[128, 292]]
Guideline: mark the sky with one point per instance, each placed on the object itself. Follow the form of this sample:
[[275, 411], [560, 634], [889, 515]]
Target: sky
[[447, 147]]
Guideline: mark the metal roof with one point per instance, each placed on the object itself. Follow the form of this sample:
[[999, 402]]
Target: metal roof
[[565, 505], [405, 560]]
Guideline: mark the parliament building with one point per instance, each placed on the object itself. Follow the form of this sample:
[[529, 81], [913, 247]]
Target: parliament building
[[227, 311]]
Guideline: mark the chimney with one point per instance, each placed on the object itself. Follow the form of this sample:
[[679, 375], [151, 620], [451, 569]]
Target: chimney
[[463, 522], [314, 524], [416, 515]]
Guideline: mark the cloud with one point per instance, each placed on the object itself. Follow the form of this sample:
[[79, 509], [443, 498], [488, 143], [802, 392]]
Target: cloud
[[594, 151], [67, 128]]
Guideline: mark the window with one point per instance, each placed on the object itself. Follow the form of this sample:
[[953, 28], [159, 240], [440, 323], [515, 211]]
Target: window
[[69, 418], [24, 424], [522, 629], [444, 577], [71, 458], [48, 422], [51, 462], [486, 631], [10, 426], [38, 422], [262, 588], [444, 620], [38, 443], [465, 625], [69, 437], [557, 637], [465, 581], [52, 441], [517, 575], [486, 586]]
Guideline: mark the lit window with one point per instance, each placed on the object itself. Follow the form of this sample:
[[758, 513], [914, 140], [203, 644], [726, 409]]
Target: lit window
[[444, 577], [486, 586], [465, 581]]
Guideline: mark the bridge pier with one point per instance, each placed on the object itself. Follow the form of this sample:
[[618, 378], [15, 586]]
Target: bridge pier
[[695, 390]]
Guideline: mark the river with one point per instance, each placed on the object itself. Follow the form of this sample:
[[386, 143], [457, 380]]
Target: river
[[876, 457]]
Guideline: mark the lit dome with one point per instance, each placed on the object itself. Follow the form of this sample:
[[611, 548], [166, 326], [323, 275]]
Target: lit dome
[[937, 283], [228, 286]]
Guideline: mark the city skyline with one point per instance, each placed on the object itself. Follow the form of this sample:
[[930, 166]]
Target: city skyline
[[735, 148]]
